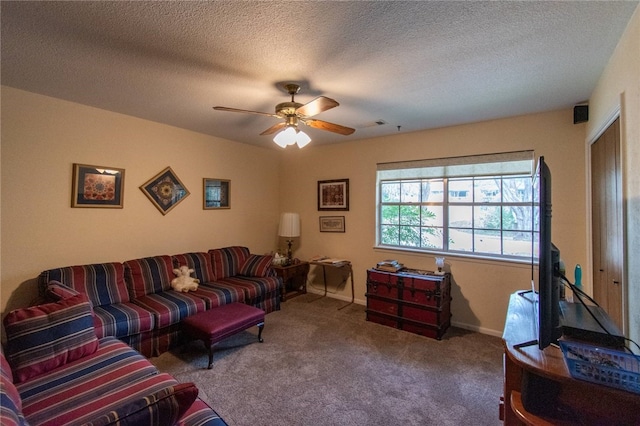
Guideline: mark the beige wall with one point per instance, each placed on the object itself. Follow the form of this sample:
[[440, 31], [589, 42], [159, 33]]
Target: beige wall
[[619, 90], [481, 287], [42, 137]]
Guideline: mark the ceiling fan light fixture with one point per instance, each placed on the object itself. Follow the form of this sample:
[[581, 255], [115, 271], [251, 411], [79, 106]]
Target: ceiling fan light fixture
[[285, 137], [302, 139], [290, 136]]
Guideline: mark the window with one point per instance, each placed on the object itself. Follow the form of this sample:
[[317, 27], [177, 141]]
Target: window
[[480, 205]]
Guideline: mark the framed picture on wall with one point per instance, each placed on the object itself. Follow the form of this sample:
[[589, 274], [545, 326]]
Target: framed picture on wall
[[332, 224], [216, 194], [97, 186], [165, 190], [333, 194]]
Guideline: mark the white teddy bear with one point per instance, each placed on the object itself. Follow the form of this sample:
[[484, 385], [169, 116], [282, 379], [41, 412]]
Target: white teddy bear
[[184, 282]]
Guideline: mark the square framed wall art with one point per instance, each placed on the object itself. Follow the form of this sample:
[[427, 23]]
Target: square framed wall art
[[97, 186], [333, 194], [217, 194], [165, 190]]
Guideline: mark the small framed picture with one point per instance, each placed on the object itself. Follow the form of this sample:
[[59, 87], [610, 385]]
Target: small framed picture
[[165, 190], [216, 194], [97, 186], [331, 223], [333, 194]]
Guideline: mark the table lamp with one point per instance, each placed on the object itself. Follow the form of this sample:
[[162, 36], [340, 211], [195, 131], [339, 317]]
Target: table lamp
[[289, 228]]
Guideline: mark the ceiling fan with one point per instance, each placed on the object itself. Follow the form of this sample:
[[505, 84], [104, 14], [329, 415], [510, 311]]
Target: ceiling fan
[[294, 113]]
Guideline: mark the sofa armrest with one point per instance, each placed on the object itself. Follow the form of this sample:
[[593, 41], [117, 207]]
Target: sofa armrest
[[165, 406]]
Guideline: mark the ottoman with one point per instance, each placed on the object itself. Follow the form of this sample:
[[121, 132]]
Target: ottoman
[[221, 322]]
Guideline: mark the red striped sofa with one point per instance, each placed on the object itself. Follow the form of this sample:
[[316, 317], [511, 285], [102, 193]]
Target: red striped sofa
[[57, 372], [133, 301], [80, 357]]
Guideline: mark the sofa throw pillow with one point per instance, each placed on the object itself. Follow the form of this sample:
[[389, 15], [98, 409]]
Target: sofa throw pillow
[[57, 291], [164, 407], [256, 266], [228, 260], [103, 283], [200, 262], [41, 338]]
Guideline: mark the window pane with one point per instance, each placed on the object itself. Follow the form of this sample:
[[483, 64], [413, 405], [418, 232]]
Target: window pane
[[517, 243], [389, 234], [516, 189], [410, 192], [460, 239], [390, 215], [390, 192], [516, 217], [432, 238], [487, 217], [409, 215], [487, 242], [432, 191], [460, 216], [487, 190], [410, 236], [432, 216], [460, 190]]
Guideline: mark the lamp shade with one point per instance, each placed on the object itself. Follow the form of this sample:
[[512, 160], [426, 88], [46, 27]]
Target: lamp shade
[[289, 225]]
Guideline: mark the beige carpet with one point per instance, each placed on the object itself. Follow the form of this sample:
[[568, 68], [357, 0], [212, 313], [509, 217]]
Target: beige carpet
[[322, 366]]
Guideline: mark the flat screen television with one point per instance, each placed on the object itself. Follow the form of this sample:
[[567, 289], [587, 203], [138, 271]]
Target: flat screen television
[[547, 302], [549, 329]]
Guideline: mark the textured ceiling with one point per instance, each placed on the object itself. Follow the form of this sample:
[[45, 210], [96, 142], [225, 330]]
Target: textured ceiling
[[417, 65]]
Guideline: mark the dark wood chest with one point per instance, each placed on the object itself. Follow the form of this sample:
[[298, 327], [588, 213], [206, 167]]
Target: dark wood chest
[[410, 301]]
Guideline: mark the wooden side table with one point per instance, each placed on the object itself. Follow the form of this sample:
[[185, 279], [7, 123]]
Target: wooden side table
[[294, 279]]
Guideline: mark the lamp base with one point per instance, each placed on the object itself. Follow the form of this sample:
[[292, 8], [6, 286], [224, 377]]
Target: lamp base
[[289, 253]]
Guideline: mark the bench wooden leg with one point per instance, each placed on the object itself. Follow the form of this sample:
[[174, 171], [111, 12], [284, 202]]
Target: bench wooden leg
[[260, 327], [210, 357]]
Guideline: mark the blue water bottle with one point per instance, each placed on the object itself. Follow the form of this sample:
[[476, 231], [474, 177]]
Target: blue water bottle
[[578, 276]]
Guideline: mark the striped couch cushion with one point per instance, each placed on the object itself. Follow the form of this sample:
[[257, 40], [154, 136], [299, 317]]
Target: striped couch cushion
[[91, 386], [149, 275], [41, 338], [103, 283], [10, 403], [254, 287], [119, 320], [199, 262], [122, 320], [170, 307], [200, 414], [256, 266], [218, 294], [227, 261]]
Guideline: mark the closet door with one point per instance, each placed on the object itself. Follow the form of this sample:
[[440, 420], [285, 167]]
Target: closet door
[[607, 226]]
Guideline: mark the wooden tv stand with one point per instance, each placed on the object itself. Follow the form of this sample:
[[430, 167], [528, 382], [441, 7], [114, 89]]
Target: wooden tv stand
[[575, 401]]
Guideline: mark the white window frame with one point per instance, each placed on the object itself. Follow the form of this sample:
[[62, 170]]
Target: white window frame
[[500, 165]]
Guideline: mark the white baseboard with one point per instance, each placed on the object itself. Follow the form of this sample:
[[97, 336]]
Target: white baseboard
[[483, 330]]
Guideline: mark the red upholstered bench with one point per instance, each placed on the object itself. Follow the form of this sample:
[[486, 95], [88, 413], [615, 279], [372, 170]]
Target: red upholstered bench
[[221, 322]]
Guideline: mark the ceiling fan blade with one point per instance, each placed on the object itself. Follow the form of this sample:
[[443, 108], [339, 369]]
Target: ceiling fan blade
[[325, 125], [220, 108], [316, 106], [274, 128]]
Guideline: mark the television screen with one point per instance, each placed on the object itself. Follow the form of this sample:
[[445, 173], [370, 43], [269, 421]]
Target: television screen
[[549, 329]]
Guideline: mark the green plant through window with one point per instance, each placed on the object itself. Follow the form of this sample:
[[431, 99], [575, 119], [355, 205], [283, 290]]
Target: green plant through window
[[491, 216]]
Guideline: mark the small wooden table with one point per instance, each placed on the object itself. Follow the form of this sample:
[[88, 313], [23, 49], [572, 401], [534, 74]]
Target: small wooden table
[[294, 279], [336, 264]]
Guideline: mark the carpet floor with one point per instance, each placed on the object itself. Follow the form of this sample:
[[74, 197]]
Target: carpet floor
[[322, 366]]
